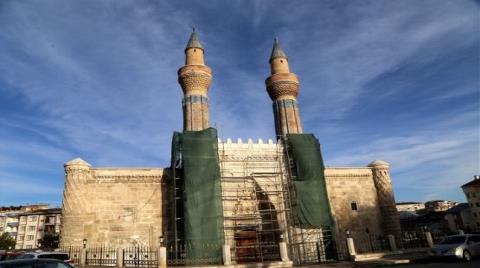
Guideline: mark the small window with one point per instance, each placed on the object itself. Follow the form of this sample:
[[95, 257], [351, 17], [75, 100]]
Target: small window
[[474, 195], [31, 228], [281, 61], [354, 206]]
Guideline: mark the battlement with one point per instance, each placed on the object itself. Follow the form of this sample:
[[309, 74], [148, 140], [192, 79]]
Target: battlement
[[249, 143]]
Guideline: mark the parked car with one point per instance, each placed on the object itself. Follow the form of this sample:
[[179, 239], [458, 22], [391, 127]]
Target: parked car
[[464, 247], [9, 255], [62, 256], [34, 263]]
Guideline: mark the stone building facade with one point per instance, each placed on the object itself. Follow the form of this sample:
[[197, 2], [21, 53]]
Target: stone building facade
[[129, 206]]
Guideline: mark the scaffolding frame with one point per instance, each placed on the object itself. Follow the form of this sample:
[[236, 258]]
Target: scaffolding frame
[[253, 201], [307, 244]]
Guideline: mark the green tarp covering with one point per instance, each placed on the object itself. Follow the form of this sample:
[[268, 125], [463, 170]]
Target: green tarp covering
[[203, 214], [312, 208]]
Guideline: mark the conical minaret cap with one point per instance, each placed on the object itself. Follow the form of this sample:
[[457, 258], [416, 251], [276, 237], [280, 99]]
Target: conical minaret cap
[[194, 41], [277, 51]]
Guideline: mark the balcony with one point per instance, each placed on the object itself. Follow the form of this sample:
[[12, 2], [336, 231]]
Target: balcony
[[12, 224]]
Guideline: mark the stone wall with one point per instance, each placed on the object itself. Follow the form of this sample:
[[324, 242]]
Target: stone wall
[[344, 185], [347, 185], [113, 206]]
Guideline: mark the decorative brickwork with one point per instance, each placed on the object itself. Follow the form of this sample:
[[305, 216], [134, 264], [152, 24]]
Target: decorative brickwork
[[386, 199], [281, 88], [194, 80]]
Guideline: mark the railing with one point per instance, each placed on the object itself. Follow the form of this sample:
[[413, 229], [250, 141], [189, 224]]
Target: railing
[[415, 239], [179, 256], [74, 254], [140, 257], [12, 224], [101, 256], [370, 243], [256, 252]]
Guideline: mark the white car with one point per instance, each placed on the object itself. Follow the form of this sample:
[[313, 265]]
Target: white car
[[464, 247]]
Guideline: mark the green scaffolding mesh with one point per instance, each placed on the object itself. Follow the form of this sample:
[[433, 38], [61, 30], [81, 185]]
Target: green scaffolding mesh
[[202, 207], [312, 207]]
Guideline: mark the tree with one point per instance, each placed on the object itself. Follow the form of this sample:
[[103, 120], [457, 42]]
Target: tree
[[6, 241], [49, 240]]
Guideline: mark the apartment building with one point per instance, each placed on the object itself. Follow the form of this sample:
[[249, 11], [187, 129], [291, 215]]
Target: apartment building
[[32, 226], [9, 216]]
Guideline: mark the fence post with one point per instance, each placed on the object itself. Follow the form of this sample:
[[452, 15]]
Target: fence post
[[351, 248], [226, 254], [283, 251], [391, 242], [162, 257], [83, 257], [428, 236], [119, 257]]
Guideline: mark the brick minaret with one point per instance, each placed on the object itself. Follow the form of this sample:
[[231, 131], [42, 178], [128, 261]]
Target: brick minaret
[[195, 78], [386, 199], [282, 87]]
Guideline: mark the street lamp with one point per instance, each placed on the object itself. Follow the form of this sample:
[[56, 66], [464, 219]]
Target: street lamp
[[160, 240], [84, 243]]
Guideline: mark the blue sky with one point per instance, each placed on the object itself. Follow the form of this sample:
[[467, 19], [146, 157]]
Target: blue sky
[[390, 80]]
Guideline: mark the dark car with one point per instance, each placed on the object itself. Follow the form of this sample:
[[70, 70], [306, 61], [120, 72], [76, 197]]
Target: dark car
[[62, 256], [9, 255], [34, 263]]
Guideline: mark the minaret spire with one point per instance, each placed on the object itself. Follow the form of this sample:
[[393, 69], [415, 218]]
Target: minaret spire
[[194, 41], [277, 51], [195, 78], [282, 87]]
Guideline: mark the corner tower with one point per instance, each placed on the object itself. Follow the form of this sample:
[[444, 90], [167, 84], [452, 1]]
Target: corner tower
[[282, 87], [195, 78]]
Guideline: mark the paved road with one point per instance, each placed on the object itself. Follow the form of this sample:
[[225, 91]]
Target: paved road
[[448, 264]]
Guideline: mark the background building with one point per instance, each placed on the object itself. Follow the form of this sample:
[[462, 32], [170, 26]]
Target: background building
[[472, 193], [410, 206], [9, 217], [460, 217], [32, 226], [440, 205]]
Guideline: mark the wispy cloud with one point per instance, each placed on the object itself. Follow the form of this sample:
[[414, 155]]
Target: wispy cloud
[[98, 80]]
